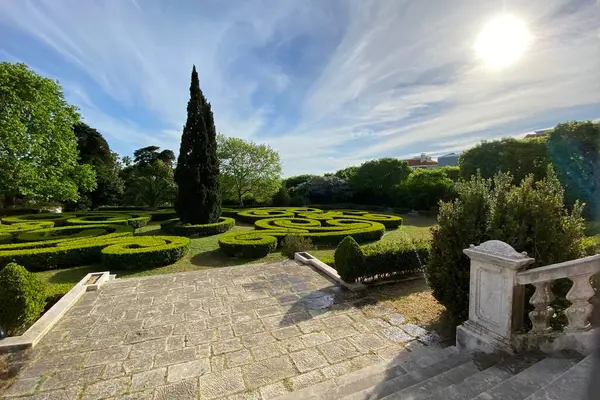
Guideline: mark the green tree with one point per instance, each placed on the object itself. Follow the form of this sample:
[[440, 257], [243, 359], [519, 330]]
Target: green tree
[[248, 169], [374, 180], [197, 173], [38, 148], [530, 217], [424, 188], [519, 157], [574, 148], [147, 155], [293, 181], [346, 173], [94, 150], [152, 185], [282, 197]]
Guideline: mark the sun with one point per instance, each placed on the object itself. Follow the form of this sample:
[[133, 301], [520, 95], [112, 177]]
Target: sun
[[502, 41]]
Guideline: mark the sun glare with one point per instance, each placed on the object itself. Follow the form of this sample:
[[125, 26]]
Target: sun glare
[[502, 41]]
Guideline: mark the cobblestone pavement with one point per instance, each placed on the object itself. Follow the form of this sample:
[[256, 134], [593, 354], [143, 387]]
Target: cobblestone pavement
[[251, 332]]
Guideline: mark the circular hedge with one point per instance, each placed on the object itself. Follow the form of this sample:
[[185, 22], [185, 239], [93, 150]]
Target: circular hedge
[[272, 230], [75, 232], [8, 232], [175, 227], [57, 218], [134, 220], [145, 252]]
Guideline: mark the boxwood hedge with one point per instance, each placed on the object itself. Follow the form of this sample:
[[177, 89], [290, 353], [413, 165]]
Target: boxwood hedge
[[8, 232], [174, 227], [134, 220], [52, 254], [145, 252], [57, 218], [248, 244], [75, 232]]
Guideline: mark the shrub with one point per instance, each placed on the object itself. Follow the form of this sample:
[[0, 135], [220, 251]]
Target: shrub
[[174, 227], [22, 298], [145, 252], [591, 245], [248, 244], [134, 220], [57, 218], [298, 201], [292, 244], [163, 215], [349, 259], [282, 197], [75, 232], [394, 259], [530, 217]]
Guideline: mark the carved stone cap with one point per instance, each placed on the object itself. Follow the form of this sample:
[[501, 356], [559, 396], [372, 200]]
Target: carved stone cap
[[498, 252]]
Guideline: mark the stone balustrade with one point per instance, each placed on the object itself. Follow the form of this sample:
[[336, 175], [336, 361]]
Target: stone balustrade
[[496, 302]]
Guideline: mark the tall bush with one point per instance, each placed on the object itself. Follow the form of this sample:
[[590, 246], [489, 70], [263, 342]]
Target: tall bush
[[530, 217], [23, 298]]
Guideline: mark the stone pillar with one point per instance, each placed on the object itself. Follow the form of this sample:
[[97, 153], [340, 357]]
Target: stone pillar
[[496, 302]]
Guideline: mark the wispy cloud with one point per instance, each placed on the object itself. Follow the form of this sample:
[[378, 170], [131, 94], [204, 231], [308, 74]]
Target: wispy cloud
[[328, 84]]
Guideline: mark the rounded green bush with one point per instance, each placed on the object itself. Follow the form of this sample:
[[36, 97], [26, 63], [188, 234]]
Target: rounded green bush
[[57, 218], [349, 259], [145, 252], [75, 232], [174, 227], [248, 244], [23, 297]]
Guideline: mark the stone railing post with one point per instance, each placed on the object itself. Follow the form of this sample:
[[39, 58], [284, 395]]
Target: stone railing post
[[496, 302]]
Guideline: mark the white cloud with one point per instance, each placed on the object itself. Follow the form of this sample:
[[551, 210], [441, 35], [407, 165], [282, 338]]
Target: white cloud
[[400, 76]]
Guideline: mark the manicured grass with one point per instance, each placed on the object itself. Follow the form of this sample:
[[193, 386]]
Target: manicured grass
[[205, 253]]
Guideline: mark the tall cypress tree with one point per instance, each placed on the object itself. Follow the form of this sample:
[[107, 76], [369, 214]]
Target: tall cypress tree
[[197, 172]]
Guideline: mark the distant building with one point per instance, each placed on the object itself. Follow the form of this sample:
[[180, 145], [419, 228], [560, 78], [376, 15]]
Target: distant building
[[448, 160], [422, 161], [538, 133]]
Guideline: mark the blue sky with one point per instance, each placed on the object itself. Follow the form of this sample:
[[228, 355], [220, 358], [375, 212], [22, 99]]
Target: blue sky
[[328, 83]]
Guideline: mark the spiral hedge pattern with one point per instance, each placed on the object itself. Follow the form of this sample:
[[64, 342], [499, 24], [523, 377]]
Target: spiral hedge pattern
[[145, 252], [174, 227], [270, 231], [57, 219], [75, 232], [134, 220]]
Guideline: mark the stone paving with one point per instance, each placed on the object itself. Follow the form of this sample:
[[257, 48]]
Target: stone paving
[[251, 332]]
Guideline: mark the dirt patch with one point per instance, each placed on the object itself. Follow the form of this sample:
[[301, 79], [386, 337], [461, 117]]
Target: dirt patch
[[10, 365]]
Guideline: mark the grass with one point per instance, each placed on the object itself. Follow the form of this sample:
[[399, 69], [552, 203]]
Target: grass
[[205, 253]]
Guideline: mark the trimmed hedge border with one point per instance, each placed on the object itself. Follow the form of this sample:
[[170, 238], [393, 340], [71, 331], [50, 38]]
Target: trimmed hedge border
[[174, 227], [134, 220], [271, 230], [75, 232], [58, 219], [145, 252], [53, 254]]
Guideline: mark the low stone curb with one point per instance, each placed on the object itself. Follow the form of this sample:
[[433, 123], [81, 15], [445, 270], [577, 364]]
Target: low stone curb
[[306, 258], [43, 325]]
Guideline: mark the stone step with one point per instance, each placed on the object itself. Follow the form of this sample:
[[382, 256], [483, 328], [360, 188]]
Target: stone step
[[500, 369], [423, 389], [355, 381], [570, 385], [529, 380], [414, 377]]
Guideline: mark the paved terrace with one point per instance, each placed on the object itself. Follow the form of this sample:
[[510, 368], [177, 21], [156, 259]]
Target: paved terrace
[[251, 332]]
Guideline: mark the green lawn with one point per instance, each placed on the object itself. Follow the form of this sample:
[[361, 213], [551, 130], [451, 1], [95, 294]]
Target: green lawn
[[205, 253]]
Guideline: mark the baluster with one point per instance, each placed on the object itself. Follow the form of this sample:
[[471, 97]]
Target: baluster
[[580, 310], [541, 299]]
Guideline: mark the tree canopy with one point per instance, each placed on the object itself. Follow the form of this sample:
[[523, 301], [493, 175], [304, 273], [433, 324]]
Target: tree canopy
[[147, 155], [374, 181], [38, 148], [197, 173], [248, 169]]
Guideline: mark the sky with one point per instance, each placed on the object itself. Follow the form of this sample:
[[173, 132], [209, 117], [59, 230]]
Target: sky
[[327, 83]]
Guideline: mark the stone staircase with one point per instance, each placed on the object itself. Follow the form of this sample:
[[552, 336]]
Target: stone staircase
[[445, 374]]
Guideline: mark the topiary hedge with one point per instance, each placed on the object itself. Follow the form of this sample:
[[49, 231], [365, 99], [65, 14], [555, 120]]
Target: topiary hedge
[[174, 227], [248, 244], [8, 232], [380, 260], [145, 252], [23, 297], [75, 232], [58, 219], [134, 220]]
